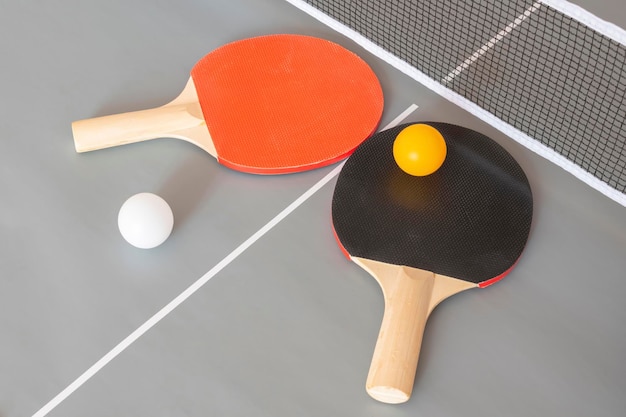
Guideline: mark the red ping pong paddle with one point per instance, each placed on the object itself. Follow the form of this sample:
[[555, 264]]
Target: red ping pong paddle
[[266, 105], [427, 238]]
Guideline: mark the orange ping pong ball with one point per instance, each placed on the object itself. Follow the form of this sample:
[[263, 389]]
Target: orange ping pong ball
[[419, 149]]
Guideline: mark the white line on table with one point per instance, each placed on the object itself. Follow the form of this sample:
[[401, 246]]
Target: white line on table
[[491, 43]]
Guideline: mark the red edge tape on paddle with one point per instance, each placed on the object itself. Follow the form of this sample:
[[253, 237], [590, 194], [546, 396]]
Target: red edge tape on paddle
[[498, 278], [345, 252], [283, 170]]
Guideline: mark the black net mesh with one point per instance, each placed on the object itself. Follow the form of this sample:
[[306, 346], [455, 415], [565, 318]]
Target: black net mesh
[[546, 74]]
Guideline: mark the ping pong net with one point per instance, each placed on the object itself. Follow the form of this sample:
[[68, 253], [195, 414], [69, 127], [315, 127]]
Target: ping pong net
[[547, 73]]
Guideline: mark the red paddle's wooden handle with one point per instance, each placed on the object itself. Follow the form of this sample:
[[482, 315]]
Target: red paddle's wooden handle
[[182, 118]]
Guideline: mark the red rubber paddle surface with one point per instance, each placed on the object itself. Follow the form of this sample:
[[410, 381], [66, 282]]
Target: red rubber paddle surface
[[286, 103]]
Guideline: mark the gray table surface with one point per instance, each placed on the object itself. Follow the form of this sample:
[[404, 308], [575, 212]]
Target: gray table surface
[[288, 327]]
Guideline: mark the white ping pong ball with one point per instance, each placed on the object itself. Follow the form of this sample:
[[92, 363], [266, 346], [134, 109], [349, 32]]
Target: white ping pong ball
[[145, 220]]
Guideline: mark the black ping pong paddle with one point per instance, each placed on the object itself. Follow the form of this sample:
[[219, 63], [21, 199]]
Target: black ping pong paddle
[[427, 238]]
